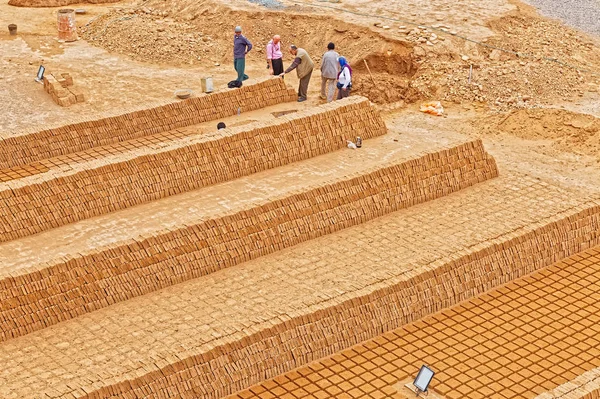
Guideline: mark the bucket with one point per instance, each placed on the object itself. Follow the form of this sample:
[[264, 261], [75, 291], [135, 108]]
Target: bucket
[[67, 30], [12, 29], [207, 84]]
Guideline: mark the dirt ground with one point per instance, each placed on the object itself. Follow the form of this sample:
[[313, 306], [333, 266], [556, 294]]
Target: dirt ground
[[534, 114]]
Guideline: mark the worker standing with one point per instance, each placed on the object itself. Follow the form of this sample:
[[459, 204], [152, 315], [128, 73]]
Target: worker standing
[[275, 56], [241, 47], [344, 79], [329, 72], [304, 66]]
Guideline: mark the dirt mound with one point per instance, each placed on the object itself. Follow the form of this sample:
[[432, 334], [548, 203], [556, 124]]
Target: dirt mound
[[179, 34], [569, 131], [186, 32], [55, 3], [504, 80]]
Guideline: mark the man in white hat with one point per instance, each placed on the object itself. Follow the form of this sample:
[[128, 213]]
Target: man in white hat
[[241, 47]]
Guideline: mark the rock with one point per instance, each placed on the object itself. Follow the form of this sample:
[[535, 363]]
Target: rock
[[429, 43], [465, 57], [495, 55], [386, 27]]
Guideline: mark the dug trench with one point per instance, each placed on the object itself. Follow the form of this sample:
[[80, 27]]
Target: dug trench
[[199, 34]]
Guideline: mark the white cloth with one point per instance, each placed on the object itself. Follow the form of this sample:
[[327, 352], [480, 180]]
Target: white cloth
[[345, 78]]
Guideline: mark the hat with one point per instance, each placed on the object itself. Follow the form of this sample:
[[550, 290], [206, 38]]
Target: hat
[[238, 29]]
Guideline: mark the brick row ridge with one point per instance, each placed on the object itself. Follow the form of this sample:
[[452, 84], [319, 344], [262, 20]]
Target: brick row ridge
[[133, 338], [295, 342], [85, 282], [585, 386], [35, 146], [79, 188]]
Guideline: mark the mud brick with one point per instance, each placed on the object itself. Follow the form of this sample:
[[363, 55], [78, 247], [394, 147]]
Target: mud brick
[[63, 101], [68, 79]]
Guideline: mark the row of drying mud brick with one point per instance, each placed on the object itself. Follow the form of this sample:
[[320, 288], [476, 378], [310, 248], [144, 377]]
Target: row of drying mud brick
[[584, 386], [300, 340], [55, 199], [108, 275], [61, 89], [23, 149]]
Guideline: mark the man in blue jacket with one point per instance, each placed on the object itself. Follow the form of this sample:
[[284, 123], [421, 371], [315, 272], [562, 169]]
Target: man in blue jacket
[[241, 47]]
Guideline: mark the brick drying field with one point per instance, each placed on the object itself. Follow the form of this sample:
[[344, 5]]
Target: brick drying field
[[141, 257]]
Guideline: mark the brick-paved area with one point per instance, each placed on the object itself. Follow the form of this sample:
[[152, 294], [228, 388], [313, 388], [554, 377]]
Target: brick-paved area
[[134, 337], [517, 341]]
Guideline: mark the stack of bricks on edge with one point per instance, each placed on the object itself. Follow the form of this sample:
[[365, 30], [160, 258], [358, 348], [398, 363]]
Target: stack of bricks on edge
[[92, 183], [242, 353], [35, 146], [268, 353], [208, 246], [60, 87]]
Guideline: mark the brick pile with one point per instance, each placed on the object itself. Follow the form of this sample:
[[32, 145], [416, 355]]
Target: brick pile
[[35, 146], [100, 181], [297, 341], [225, 331], [584, 386], [61, 89], [537, 335], [86, 282]]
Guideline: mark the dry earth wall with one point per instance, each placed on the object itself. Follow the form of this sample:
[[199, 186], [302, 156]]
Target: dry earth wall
[[296, 342], [83, 185], [54, 293], [35, 146]]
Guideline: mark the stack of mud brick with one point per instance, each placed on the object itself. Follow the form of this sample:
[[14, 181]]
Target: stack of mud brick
[[60, 87], [336, 325], [94, 182], [26, 148], [189, 252]]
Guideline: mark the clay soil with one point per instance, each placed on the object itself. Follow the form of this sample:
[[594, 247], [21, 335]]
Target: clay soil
[[531, 110]]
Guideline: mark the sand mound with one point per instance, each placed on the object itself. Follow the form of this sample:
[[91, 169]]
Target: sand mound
[[186, 32], [569, 131], [199, 33]]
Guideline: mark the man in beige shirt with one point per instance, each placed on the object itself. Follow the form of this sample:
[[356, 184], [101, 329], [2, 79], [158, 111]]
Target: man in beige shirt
[[329, 73], [304, 66]]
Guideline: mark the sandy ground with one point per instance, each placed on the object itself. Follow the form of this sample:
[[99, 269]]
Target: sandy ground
[[117, 83], [465, 16]]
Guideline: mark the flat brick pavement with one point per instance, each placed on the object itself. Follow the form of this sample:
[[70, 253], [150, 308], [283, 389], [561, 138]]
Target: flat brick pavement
[[517, 341], [139, 339]]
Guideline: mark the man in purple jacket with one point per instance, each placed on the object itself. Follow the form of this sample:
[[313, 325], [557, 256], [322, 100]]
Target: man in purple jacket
[[241, 47]]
